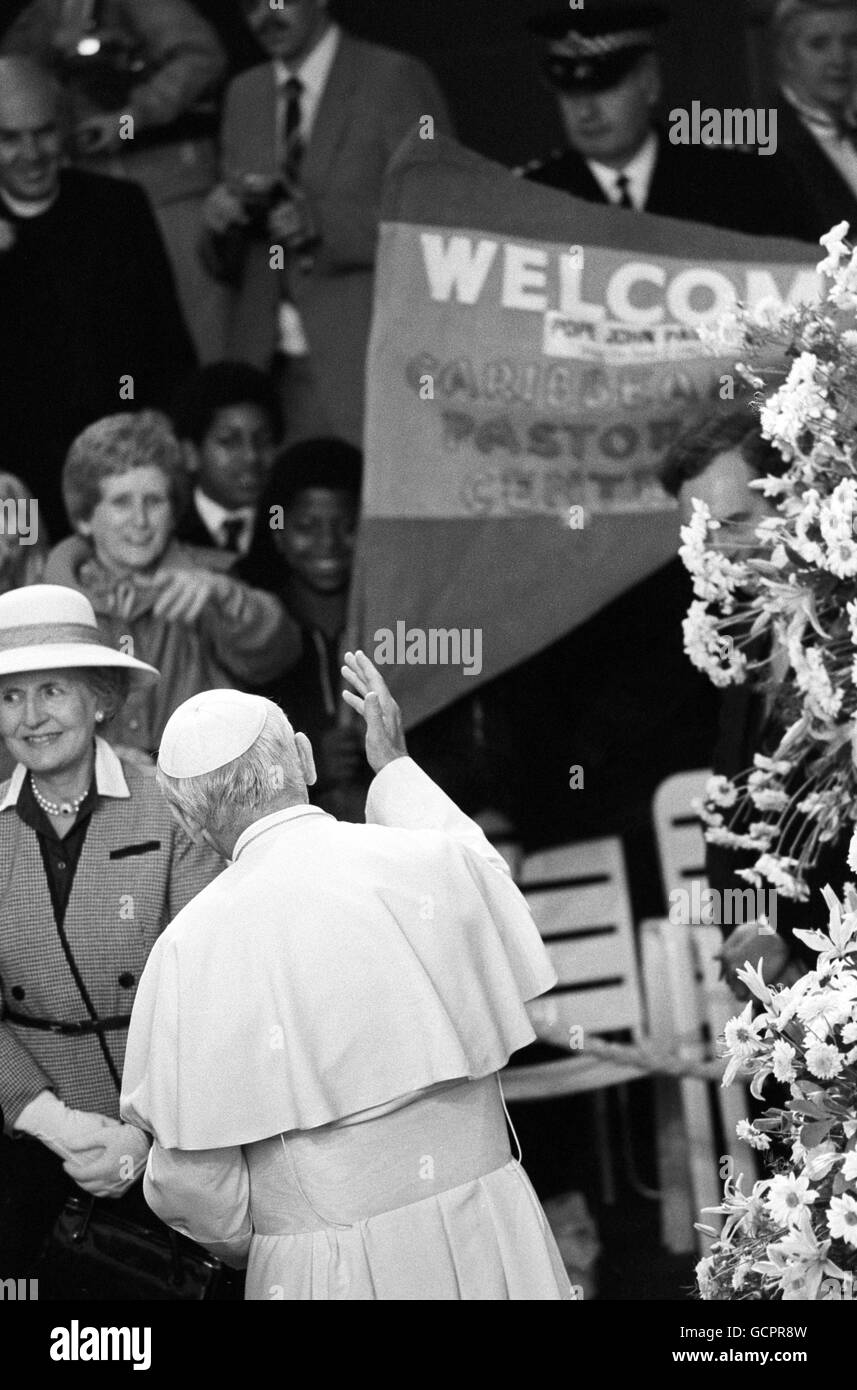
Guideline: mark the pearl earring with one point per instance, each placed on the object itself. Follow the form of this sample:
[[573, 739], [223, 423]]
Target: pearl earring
[[98, 716]]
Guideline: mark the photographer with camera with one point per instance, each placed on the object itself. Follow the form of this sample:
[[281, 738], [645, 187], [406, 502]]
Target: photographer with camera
[[305, 143]]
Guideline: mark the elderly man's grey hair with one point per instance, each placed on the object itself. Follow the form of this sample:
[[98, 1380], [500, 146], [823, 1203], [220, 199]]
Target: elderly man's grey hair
[[269, 768]]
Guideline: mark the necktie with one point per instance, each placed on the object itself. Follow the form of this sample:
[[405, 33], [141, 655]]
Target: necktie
[[623, 184], [231, 533], [293, 145]]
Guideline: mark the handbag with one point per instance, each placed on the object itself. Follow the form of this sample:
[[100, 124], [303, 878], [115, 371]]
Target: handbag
[[102, 1254]]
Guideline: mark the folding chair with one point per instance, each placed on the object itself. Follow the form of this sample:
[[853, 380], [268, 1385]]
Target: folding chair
[[578, 896]]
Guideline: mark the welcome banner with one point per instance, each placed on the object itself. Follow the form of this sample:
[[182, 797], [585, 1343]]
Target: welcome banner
[[532, 357]]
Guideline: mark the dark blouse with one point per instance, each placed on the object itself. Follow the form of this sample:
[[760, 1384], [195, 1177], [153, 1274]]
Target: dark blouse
[[60, 855]]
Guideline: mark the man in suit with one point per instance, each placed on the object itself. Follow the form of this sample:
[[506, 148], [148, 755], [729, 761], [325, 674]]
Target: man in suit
[[604, 67], [159, 63], [90, 319], [306, 140], [816, 48]]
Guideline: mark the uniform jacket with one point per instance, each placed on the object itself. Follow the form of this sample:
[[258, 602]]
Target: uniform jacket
[[218, 650], [184, 67], [372, 99], [88, 298], [137, 870], [719, 188]]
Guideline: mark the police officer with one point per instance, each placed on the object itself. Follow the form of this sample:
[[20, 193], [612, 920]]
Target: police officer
[[603, 65]]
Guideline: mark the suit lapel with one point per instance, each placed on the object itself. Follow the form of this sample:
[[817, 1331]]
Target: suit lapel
[[334, 112], [827, 184], [251, 136], [267, 134]]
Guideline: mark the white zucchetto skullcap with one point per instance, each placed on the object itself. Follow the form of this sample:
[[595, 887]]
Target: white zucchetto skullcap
[[210, 730]]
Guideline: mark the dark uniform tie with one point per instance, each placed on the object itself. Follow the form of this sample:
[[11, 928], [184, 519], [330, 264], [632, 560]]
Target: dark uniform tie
[[623, 185]]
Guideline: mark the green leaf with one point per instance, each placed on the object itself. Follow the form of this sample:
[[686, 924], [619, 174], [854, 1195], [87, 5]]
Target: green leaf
[[814, 1134]]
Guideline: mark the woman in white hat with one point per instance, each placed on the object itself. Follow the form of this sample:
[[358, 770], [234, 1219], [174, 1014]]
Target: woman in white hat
[[92, 868]]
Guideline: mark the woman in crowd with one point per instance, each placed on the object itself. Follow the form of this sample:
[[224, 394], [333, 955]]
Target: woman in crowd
[[124, 486], [92, 868]]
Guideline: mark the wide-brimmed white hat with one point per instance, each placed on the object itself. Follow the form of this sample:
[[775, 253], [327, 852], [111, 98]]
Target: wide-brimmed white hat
[[46, 627]]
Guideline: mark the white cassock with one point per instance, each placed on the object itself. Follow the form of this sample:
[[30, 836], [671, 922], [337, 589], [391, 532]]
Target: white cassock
[[315, 1045]]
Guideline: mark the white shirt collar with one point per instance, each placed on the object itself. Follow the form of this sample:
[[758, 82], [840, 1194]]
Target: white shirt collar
[[638, 172], [266, 823], [313, 73], [109, 777], [214, 516], [820, 122]]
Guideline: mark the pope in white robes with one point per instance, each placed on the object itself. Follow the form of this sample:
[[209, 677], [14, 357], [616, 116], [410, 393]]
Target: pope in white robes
[[316, 1037]]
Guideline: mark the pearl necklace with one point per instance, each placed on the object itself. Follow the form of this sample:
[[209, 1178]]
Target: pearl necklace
[[54, 808]]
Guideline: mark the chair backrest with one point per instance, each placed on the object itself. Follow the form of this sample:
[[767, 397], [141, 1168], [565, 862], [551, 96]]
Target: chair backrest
[[678, 831], [578, 895], [688, 1016]]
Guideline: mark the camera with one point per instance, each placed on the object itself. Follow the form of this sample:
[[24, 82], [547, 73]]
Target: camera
[[259, 193]]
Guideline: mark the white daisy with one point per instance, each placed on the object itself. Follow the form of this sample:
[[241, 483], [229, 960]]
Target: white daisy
[[751, 1136], [842, 1218], [788, 1196], [783, 1057], [824, 1060]]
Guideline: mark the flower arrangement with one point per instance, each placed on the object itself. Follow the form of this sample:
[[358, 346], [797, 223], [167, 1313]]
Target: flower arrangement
[[794, 1237], [786, 592]]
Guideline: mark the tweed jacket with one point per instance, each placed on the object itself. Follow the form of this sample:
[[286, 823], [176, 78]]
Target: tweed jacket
[[372, 99], [137, 870]]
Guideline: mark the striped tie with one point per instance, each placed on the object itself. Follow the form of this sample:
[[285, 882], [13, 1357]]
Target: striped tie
[[293, 144]]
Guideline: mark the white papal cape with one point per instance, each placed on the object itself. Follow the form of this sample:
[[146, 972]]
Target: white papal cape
[[323, 1020]]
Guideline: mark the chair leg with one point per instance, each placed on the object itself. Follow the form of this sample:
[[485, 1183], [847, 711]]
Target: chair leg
[[677, 1210], [602, 1144], [652, 1194]]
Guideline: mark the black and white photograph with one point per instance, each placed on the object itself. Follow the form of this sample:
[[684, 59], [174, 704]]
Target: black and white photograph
[[428, 669]]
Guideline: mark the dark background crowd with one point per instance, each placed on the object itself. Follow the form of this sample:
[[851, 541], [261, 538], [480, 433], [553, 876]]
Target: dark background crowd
[[162, 387]]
